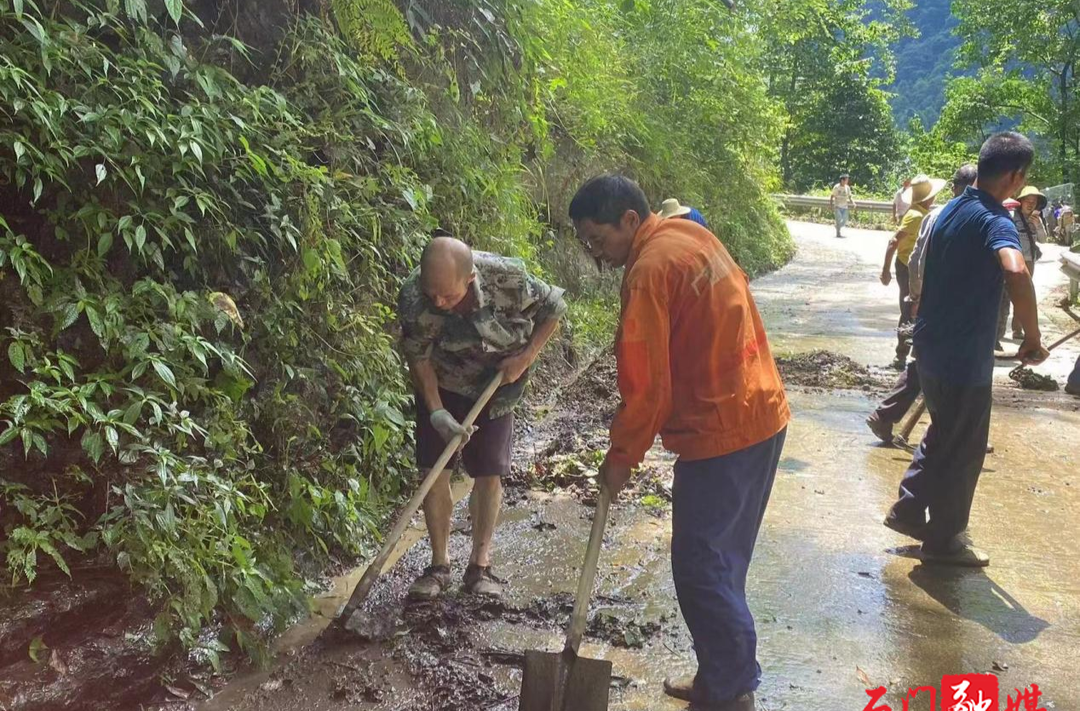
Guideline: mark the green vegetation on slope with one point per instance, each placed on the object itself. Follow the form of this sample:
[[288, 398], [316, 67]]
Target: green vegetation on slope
[[156, 170]]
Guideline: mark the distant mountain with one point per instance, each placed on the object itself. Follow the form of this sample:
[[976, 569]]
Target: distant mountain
[[924, 63]]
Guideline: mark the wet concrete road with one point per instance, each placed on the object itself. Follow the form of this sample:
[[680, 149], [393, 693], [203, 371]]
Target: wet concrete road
[[833, 595]]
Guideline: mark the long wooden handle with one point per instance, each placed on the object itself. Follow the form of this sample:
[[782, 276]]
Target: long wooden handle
[[363, 587], [1061, 340], [913, 420], [588, 572]]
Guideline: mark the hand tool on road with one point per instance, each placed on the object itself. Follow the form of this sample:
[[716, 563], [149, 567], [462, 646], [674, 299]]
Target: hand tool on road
[[374, 569], [563, 681], [1052, 346], [901, 440]]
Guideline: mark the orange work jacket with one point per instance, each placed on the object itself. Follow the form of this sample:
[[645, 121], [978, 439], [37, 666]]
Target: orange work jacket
[[694, 360]]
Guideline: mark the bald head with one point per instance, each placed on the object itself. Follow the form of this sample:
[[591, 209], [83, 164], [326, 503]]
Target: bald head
[[446, 257], [446, 270]]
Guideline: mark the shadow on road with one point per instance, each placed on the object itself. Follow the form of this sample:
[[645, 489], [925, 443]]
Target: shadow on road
[[974, 596]]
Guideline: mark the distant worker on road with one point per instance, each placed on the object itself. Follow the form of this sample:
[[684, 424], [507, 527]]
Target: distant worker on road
[[841, 200], [1026, 217], [920, 193], [906, 390]]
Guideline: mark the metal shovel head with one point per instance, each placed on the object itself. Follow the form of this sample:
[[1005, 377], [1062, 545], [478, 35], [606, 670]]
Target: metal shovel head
[[564, 682]]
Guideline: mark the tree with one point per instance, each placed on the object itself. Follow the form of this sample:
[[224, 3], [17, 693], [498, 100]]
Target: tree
[[846, 127], [826, 59], [1027, 51]]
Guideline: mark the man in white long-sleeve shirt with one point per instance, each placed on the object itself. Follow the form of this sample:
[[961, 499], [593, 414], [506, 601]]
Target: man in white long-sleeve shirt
[[895, 406]]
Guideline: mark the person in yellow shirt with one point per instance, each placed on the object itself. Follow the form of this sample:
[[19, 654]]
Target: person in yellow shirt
[[920, 194]]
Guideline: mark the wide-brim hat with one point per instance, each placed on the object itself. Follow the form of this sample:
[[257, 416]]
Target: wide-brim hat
[[922, 188], [1032, 190], [672, 208]]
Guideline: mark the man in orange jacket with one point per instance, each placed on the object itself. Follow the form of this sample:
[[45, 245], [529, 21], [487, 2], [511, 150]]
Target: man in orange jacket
[[694, 367]]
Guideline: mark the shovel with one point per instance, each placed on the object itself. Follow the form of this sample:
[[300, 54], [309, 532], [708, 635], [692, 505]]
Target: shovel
[[563, 681], [348, 617]]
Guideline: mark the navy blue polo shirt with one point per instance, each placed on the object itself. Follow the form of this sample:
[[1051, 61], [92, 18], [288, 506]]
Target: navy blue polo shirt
[[958, 310]]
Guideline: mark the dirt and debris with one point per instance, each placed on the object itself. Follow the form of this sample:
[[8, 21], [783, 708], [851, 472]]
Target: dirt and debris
[[824, 369], [620, 631], [1028, 379]]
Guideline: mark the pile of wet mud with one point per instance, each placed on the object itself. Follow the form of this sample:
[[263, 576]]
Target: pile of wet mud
[[827, 370], [1028, 379]]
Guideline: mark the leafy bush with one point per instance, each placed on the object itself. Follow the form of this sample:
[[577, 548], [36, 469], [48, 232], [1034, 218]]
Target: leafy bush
[[196, 270]]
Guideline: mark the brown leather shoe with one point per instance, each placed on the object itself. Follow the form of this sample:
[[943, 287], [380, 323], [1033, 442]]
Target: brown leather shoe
[[431, 584], [479, 580], [681, 688], [882, 430]]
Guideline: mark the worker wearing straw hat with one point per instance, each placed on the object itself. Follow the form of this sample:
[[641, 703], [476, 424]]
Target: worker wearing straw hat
[[1026, 216], [920, 195], [672, 208]]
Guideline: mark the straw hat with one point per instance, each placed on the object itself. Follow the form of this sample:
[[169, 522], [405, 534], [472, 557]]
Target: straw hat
[[922, 188], [1032, 190], [672, 208]]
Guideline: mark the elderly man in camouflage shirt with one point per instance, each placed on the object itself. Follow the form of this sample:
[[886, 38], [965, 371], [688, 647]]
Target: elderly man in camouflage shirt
[[466, 316]]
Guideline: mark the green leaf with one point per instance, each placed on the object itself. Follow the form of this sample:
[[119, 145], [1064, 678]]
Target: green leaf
[[17, 356], [136, 9], [8, 435], [69, 315], [104, 244], [93, 445], [112, 437], [34, 28], [132, 413], [196, 149], [311, 260], [124, 223], [165, 373], [140, 237], [37, 646], [101, 172], [176, 9]]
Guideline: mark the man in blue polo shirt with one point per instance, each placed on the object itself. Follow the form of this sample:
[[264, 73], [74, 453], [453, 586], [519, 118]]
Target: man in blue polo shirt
[[973, 245]]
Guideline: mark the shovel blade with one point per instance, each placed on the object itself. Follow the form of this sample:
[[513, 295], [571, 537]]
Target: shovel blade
[[563, 682]]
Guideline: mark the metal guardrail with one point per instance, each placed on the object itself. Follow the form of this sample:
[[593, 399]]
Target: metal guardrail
[[1070, 265], [822, 203]]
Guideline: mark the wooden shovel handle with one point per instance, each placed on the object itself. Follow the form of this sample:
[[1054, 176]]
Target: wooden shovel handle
[[588, 572], [374, 569], [913, 419]]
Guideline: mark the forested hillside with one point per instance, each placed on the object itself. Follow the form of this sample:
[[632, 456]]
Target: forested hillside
[[924, 62]]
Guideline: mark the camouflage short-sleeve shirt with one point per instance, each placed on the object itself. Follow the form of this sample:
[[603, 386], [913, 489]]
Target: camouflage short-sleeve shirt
[[466, 349]]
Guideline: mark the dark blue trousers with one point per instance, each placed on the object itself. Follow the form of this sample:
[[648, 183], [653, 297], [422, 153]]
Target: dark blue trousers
[[717, 511], [893, 408], [1074, 376], [945, 469]]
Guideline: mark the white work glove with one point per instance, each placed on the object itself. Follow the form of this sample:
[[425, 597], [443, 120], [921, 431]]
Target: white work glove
[[449, 428]]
